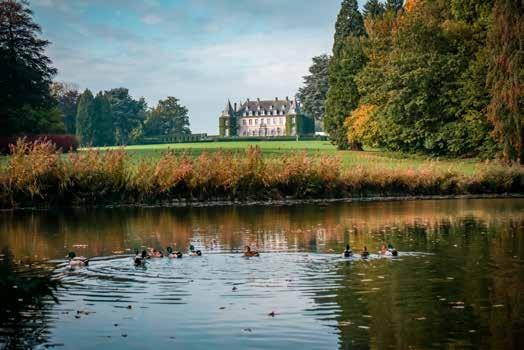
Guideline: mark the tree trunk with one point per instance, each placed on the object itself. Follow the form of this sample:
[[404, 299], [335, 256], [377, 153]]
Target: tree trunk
[[355, 146]]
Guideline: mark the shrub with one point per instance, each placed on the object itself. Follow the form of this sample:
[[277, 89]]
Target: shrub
[[65, 143]]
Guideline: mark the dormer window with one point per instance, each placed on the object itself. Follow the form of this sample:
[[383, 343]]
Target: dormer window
[[263, 112], [250, 113]]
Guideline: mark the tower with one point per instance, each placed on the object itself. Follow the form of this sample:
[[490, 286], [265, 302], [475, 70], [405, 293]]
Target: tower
[[227, 121]]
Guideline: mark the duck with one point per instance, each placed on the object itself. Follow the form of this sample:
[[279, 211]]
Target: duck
[[248, 252], [173, 254], [140, 258], [77, 261], [193, 252], [348, 252], [153, 253], [365, 252], [392, 250]]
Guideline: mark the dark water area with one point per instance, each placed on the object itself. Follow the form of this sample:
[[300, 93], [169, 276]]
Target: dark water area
[[458, 281]]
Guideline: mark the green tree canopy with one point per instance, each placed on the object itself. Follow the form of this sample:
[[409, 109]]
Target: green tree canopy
[[169, 117], [348, 59], [128, 113], [316, 85], [84, 114], [25, 72], [373, 8], [102, 121], [67, 96]]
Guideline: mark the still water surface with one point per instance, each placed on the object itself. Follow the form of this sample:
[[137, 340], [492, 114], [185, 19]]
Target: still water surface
[[458, 282]]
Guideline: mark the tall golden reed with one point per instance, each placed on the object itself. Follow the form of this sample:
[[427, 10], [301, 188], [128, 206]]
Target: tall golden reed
[[39, 175]]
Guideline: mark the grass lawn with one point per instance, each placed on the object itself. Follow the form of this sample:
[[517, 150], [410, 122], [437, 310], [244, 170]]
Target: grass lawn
[[370, 158]]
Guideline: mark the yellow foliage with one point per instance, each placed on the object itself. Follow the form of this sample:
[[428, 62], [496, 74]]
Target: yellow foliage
[[361, 125]]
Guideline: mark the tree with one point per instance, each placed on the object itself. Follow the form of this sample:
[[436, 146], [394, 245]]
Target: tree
[[67, 96], [102, 121], [373, 9], [83, 118], [24, 68], [348, 59], [169, 117], [316, 85], [349, 23], [128, 114], [394, 5], [506, 77]]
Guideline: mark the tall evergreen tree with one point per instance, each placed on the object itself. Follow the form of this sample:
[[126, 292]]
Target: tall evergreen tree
[[349, 23], [394, 5], [506, 77], [373, 9], [102, 121], [316, 85], [84, 123], [348, 59], [25, 72]]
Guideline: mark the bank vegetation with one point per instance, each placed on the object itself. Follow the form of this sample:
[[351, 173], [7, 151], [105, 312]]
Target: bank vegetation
[[39, 175]]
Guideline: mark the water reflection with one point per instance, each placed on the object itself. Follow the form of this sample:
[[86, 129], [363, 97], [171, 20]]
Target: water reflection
[[26, 295], [459, 281]]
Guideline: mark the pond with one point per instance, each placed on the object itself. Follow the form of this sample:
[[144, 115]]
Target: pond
[[458, 280]]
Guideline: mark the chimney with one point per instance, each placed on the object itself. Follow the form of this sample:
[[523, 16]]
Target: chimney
[[287, 98], [235, 106], [258, 99], [276, 98], [248, 100]]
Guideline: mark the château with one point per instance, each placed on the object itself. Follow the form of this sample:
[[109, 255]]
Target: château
[[265, 118]]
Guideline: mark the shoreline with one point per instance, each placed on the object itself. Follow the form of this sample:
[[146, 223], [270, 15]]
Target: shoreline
[[270, 203]]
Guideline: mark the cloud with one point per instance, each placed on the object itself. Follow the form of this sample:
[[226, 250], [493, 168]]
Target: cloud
[[203, 51]]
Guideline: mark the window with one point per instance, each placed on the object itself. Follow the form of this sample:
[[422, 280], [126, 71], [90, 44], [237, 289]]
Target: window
[[263, 112], [256, 121], [250, 113], [243, 122], [274, 121], [293, 120], [278, 131], [281, 121], [250, 121]]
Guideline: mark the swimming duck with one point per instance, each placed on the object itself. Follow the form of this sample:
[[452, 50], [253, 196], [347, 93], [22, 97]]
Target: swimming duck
[[248, 252], [153, 253], [193, 252], [348, 252], [392, 250], [172, 254], [77, 261], [365, 253], [140, 258]]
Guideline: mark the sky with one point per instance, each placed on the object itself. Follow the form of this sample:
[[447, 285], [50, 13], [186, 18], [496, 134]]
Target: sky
[[203, 52]]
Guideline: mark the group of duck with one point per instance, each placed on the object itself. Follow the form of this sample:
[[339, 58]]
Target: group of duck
[[141, 257], [385, 251]]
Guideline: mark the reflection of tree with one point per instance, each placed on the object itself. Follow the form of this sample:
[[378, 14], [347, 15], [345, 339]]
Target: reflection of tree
[[311, 228], [410, 303], [26, 294]]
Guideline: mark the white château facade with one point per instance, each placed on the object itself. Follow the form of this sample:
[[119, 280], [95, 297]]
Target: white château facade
[[262, 118]]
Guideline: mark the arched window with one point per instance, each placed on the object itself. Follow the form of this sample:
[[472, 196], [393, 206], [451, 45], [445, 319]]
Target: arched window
[[243, 122], [250, 121]]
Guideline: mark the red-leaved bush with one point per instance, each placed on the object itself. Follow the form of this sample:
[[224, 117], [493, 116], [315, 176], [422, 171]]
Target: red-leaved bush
[[64, 143]]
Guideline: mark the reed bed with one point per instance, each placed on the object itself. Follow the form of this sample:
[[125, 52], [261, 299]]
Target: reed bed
[[38, 175]]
